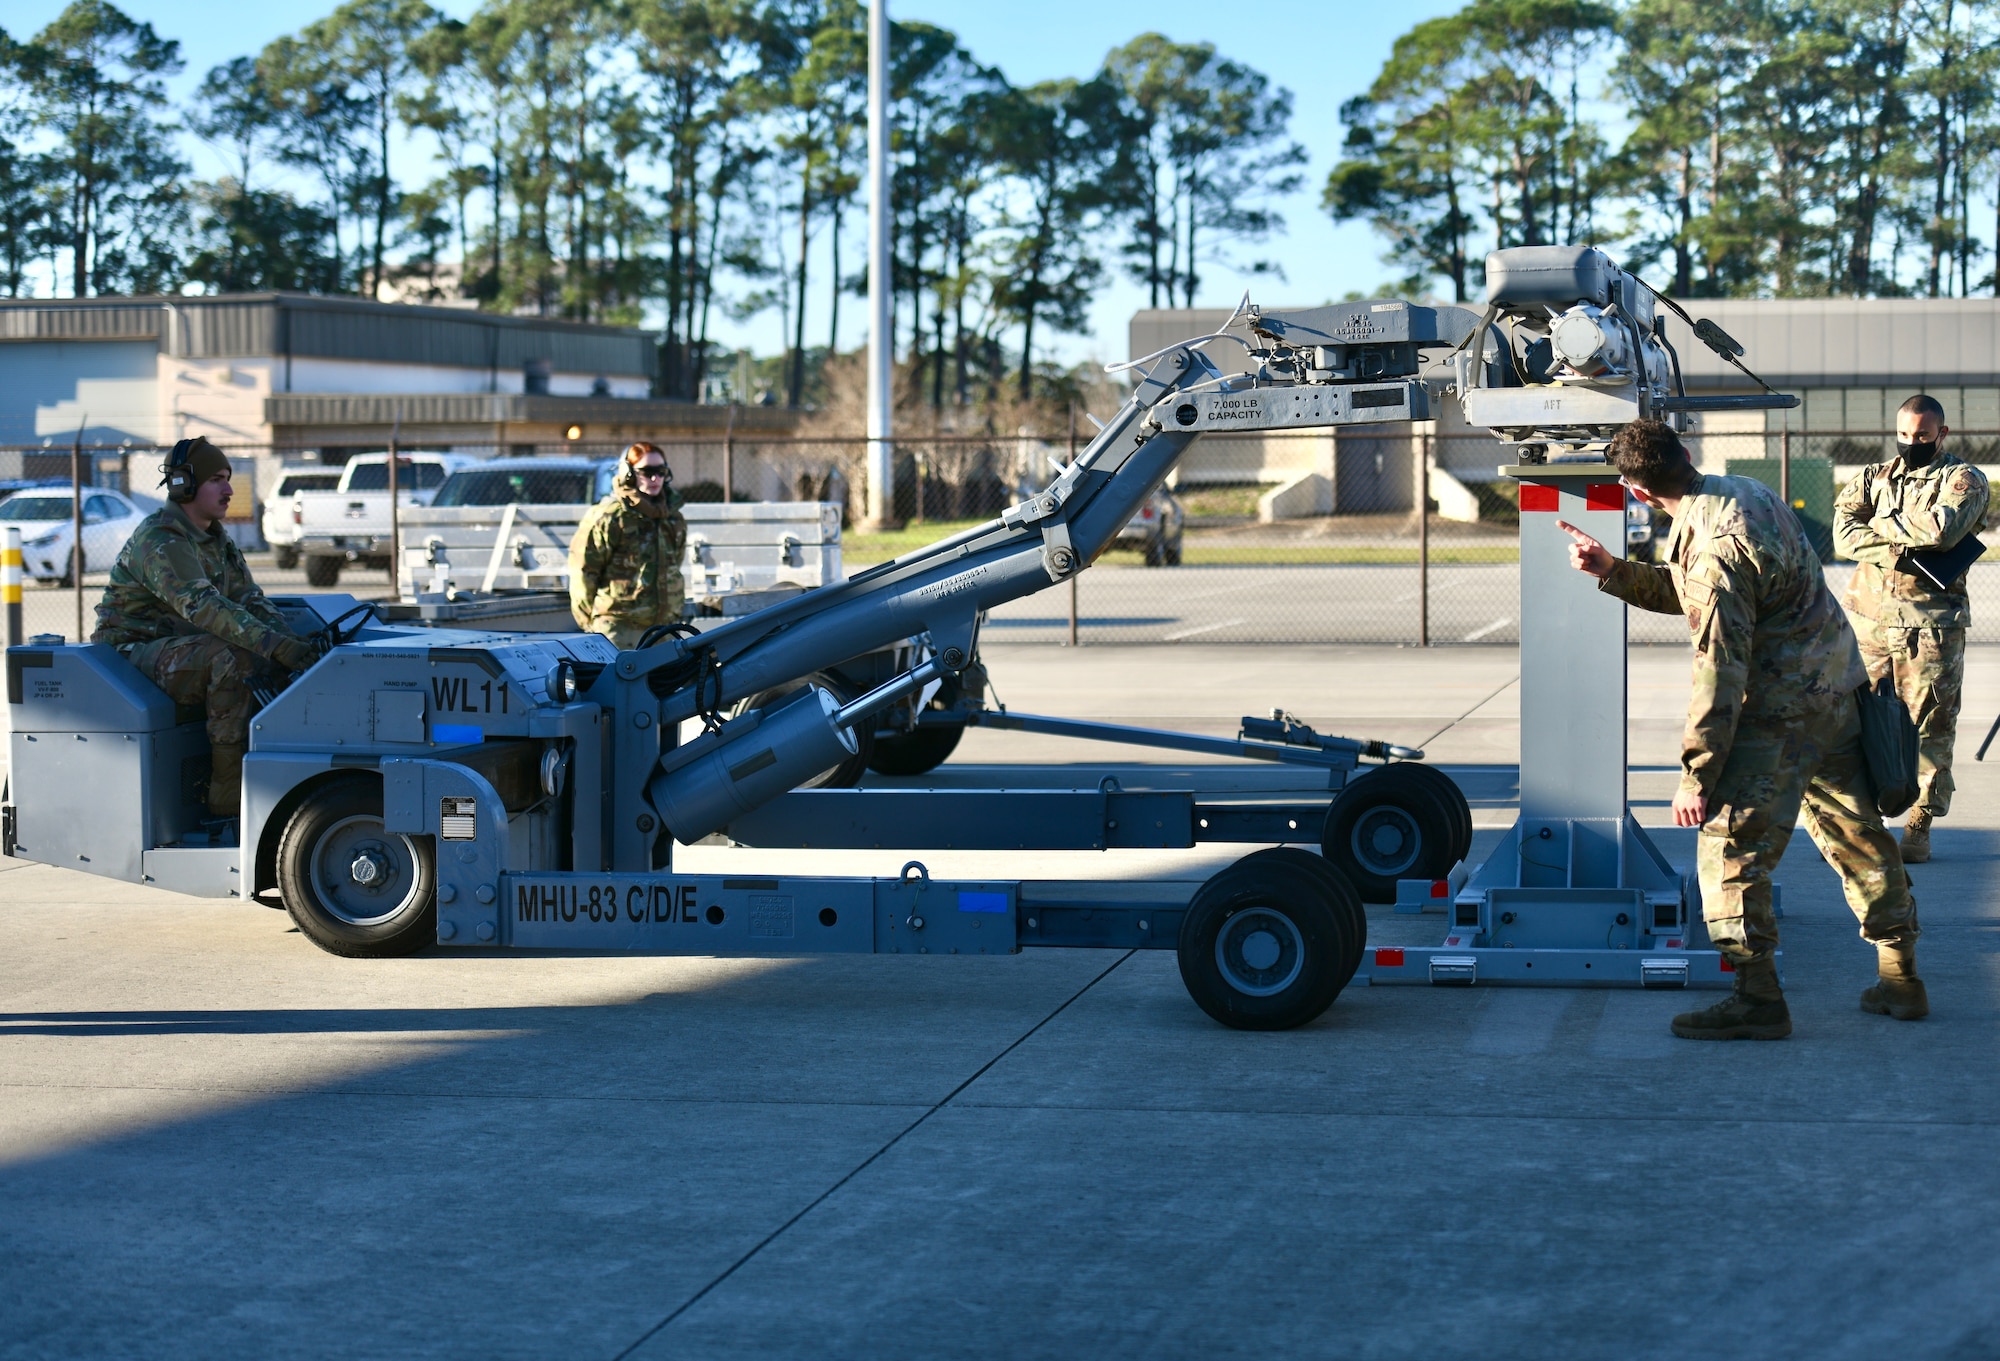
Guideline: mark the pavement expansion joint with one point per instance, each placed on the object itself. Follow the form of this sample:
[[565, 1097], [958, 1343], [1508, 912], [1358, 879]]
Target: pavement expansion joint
[[1510, 682], [868, 1162]]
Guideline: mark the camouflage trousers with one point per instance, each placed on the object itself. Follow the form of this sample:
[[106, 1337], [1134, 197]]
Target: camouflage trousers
[[1928, 667], [1769, 777], [625, 625], [200, 671]]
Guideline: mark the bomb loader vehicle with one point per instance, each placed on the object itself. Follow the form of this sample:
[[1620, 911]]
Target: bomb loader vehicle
[[494, 790]]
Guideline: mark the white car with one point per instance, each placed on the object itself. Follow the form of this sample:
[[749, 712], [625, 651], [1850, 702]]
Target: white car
[[43, 515], [281, 508]]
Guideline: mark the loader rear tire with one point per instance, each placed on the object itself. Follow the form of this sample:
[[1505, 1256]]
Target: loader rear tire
[[351, 886]]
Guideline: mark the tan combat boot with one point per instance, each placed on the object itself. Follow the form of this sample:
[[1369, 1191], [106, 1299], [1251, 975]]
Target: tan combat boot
[[1917, 839], [1755, 1010], [225, 779], [1898, 992]]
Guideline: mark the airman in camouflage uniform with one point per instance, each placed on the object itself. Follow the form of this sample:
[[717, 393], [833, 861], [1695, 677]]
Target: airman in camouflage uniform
[[183, 609], [1773, 727], [1910, 629], [625, 561]]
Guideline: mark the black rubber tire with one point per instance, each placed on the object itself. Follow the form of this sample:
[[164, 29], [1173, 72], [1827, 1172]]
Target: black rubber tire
[[1386, 826], [285, 558], [1171, 553], [1342, 893], [322, 571], [1156, 554], [918, 752], [1454, 797], [332, 822], [848, 773], [1292, 909]]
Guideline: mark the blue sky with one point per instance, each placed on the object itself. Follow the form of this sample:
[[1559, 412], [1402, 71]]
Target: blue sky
[[1322, 63]]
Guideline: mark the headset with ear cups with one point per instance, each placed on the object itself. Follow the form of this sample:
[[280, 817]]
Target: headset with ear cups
[[179, 472], [628, 472]]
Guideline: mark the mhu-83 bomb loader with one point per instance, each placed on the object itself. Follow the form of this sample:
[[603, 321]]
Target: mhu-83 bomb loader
[[493, 790]]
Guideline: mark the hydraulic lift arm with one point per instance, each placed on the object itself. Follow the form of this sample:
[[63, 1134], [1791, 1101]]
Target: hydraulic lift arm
[[1352, 363]]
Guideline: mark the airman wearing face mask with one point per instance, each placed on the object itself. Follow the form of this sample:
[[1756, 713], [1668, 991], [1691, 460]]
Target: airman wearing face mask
[[1910, 628]]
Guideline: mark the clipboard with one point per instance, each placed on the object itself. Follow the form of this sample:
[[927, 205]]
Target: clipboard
[[1943, 566]]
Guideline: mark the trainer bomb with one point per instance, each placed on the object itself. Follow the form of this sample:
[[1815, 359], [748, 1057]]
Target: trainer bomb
[[791, 744]]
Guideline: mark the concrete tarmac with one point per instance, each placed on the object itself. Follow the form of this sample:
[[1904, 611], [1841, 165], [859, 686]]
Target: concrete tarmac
[[217, 1141], [1289, 604], [1333, 602]]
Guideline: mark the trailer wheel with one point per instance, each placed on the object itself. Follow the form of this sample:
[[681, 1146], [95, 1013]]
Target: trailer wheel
[[915, 753], [1454, 799], [351, 886], [1264, 945], [1341, 893], [322, 570], [1386, 826], [848, 773]]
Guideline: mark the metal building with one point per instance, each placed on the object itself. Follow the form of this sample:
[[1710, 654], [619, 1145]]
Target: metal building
[[291, 371]]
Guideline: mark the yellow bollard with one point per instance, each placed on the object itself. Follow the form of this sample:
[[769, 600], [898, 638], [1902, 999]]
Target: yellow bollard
[[10, 585]]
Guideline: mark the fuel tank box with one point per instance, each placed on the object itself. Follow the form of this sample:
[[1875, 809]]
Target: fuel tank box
[[99, 771]]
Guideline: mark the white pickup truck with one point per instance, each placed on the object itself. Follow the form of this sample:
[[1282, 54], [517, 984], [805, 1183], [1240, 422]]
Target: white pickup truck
[[351, 522], [281, 512]]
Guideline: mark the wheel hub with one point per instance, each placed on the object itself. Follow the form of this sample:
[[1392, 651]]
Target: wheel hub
[[370, 867], [362, 875], [1386, 840], [1260, 951]]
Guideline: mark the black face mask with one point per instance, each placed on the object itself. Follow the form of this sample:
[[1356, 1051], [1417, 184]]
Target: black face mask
[[1917, 452]]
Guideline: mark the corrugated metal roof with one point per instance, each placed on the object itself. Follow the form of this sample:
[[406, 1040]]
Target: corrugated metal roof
[[1791, 342], [335, 328], [338, 409], [54, 321]]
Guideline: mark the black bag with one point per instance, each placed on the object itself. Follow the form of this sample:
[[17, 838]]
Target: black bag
[[1888, 746]]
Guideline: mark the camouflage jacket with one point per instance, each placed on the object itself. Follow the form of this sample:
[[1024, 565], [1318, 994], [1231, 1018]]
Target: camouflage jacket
[[625, 565], [1889, 509], [171, 578], [1771, 645]]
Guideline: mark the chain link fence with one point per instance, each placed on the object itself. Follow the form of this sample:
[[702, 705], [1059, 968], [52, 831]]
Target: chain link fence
[[1290, 537]]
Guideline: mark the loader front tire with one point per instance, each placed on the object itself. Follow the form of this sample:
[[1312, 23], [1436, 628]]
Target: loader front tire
[[351, 886]]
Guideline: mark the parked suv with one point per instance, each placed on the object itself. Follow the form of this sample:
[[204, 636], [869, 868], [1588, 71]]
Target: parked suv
[[549, 480]]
